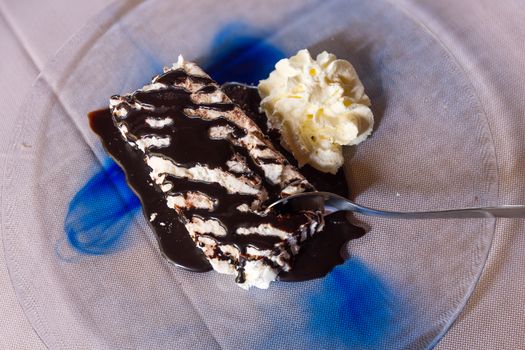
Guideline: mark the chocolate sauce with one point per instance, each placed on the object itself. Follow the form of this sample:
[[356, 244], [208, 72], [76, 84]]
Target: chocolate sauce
[[321, 253], [174, 240], [190, 145]]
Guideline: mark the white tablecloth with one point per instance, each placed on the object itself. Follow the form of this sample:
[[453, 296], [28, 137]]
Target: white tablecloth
[[485, 37]]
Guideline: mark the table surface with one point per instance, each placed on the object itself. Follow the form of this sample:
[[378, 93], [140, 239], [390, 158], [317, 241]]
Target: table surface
[[485, 37]]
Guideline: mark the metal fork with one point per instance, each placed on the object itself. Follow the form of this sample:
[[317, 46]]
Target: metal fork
[[331, 203]]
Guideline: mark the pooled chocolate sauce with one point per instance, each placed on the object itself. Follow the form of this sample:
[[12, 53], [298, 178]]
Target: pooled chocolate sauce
[[190, 145], [174, 240]]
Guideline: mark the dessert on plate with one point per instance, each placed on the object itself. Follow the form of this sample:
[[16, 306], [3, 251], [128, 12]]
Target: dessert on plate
[[206, 164]]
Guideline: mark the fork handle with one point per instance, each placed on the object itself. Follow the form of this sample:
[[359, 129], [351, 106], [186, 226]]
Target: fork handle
[[504, 211]]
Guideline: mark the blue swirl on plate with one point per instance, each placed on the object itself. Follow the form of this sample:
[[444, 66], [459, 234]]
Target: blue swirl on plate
[[353, 308], [101, 212]]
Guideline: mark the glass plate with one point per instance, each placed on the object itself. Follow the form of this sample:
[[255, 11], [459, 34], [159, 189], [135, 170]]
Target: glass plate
[[404, 282]]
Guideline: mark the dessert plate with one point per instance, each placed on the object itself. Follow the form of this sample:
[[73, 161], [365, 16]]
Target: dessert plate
[[87, 268]]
